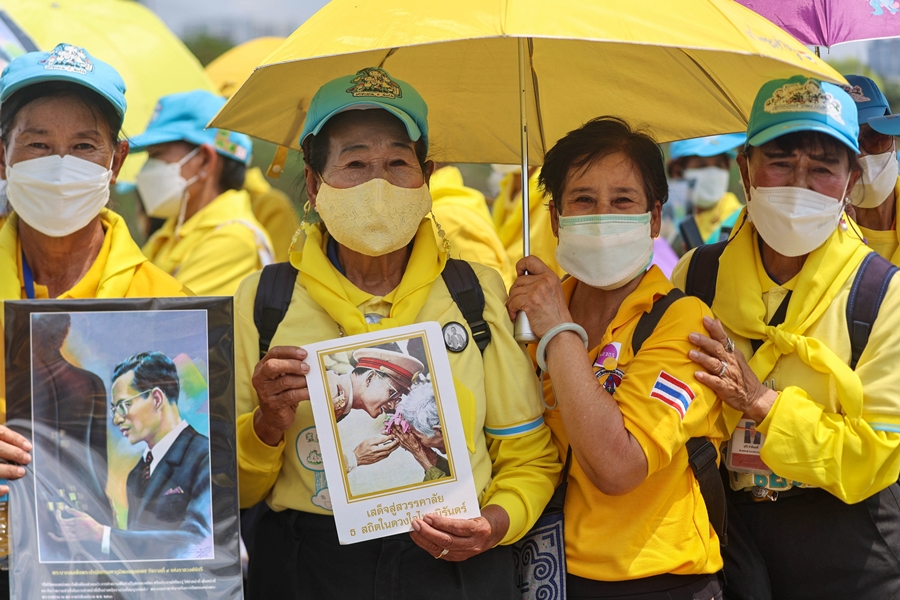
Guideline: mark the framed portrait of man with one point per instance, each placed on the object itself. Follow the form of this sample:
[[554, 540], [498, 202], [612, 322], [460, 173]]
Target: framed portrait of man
[[129, 406]]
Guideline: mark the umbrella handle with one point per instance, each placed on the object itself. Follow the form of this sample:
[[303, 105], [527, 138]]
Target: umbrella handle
[[522, 331]]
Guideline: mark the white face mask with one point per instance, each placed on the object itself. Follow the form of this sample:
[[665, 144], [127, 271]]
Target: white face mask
[[605, 251], [710, 184], [879, 177], [162, 187], [794, 221], [57, 195], [373, 218]]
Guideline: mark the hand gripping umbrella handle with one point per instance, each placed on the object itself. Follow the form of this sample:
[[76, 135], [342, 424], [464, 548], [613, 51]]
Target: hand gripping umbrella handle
[[522, 331]]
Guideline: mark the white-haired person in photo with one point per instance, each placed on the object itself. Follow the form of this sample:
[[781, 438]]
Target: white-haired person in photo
[[417, 427]]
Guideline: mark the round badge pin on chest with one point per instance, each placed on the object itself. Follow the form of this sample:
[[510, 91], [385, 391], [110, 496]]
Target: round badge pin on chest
[[456, 338]]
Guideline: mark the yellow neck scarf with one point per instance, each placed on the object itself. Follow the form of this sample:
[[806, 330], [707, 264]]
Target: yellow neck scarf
[[740, 307], [113, 277], [340, 298]]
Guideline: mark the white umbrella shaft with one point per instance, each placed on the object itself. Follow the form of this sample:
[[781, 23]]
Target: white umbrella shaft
[[522, 330]]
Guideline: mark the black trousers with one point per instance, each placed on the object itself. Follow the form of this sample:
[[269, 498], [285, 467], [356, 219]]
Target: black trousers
[[660, 587], [296, 555], [813, 546]]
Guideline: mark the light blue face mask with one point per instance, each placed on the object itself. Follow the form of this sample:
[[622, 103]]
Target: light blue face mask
[[605, 251]]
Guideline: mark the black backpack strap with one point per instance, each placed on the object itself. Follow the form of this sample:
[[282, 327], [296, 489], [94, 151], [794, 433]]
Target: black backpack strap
[[273, 296], [466, 291], [868, 290], [702, 456], [649, 320], [703, 271], [690, 233]]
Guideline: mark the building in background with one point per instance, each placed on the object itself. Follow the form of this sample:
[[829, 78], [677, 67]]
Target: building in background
[[884, 58]]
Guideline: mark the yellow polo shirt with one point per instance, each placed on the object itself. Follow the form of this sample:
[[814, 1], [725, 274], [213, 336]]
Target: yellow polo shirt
[[709, 221], [806, 430], [215, 249], [514, 463], [886, 243], [464, 216], [661, 526]]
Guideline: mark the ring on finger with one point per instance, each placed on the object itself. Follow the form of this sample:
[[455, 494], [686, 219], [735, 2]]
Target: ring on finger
[[722, 369], [729, 345], [443, 553]]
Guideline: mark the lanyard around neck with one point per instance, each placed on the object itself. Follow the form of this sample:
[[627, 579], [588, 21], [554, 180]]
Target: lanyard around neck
[[28, 278]]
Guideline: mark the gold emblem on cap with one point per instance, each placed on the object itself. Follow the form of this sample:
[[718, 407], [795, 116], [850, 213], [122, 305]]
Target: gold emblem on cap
[[804, 97], [374, 82]]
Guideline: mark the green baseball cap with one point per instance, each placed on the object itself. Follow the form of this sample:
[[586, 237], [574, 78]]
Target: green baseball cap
[[786, 106], [369, 88]]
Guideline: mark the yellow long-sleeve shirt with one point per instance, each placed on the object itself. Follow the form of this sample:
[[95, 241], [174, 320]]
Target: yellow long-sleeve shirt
[[809, 437], [274, 211], [508, 221], [886, 243], [513, 460], [464, 216], [215, 249]]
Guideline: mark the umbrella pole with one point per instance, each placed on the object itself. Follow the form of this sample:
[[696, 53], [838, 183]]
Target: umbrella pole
[[522, 331]]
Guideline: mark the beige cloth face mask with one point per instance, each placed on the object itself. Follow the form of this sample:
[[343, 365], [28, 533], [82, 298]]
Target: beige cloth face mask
[[373, 218]]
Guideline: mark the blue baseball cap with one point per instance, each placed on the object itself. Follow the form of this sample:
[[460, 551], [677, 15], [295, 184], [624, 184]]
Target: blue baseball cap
[[713, 145], [64, 63], [183, 117], [369, 88], [785, 106], [871, 105]]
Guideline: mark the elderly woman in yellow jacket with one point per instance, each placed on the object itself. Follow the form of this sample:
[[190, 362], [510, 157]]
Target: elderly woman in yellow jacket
[[637, 525], [808, 372], [62, 112], [375, 263], [195, 178]]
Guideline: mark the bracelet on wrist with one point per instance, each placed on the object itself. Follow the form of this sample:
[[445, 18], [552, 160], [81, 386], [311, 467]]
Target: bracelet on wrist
[[541, 353]]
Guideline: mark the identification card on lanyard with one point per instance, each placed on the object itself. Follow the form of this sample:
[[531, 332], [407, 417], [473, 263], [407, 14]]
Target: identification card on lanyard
[[744, 448]]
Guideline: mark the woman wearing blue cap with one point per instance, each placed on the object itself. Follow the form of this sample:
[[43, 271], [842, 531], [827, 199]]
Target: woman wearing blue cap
[[372, 264], [194, 179], [704, 164], [62, 112], [805, 360], [877, 192]]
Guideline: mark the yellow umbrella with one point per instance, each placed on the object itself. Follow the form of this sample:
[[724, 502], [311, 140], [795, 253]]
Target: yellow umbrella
[[232, 68], [151, 59], [505, 79]]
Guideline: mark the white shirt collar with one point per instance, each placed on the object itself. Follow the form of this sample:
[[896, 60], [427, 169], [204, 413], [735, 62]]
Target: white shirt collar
[[160, 449]]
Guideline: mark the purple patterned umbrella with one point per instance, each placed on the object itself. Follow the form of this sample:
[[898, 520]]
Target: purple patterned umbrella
[[830, 22]]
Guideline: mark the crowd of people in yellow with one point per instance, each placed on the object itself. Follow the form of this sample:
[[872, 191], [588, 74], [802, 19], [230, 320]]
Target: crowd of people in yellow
[[773, 342]]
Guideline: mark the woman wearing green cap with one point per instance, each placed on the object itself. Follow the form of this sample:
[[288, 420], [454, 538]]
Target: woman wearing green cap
[[372, 264], [805, 360], [62, 112]]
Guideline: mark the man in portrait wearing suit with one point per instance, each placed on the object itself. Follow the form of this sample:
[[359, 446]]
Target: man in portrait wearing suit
[[169, 507]]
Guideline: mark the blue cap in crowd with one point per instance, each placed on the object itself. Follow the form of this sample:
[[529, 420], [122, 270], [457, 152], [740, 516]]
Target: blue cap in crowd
[[786, 106], [713, 145], [368, 88], [871, 105], [183, 117], [64, 63]]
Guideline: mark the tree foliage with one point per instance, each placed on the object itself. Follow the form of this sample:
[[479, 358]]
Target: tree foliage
[[207, 47]]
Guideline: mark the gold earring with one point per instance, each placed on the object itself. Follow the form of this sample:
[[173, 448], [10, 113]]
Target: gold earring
[[445, 243]]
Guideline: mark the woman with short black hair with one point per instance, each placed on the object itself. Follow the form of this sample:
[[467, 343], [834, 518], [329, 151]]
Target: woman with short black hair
[[636, 523]]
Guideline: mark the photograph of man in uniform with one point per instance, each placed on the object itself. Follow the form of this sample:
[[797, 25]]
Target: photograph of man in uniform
[[69, 419], [169, 502]]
